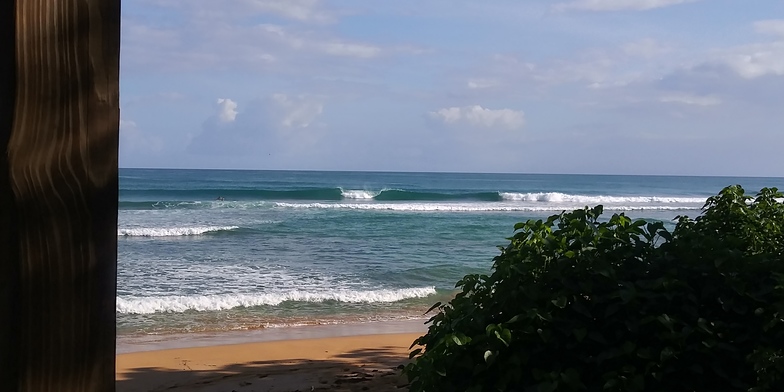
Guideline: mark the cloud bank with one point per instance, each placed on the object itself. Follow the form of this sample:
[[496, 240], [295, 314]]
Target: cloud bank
[[274, 124], [477, 116]]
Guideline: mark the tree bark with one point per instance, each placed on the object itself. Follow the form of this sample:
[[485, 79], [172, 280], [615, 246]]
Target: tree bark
[[60, 182], [9, 265]]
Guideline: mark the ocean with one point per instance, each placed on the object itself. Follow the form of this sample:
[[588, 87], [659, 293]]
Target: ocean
[[209, 251]]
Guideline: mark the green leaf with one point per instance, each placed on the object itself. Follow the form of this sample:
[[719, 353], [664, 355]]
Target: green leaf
[[437, 304], [611, 310], [644, 353], [666, 354], [515, 319], [597, 337], [489, 357], [547, 386], [505, 336], [628, 347], [572, 378], [665, 320], [461, 339], [627, 295], [637, 383], [611, 384]]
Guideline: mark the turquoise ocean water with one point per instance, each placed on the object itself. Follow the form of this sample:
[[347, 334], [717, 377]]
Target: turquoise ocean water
[[214, 250]]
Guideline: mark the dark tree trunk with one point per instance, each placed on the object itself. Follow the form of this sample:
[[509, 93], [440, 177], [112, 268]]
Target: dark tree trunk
[[9, 256], [59, 120]]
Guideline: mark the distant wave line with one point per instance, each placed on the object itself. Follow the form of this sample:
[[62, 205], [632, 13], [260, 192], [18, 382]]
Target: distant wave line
[[240, 199], [484, 207], [315, 194]]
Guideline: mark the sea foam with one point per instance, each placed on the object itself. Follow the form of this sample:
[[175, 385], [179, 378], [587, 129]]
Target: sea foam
[[178, 304], [172, 231], [358, 194], [557, 197]]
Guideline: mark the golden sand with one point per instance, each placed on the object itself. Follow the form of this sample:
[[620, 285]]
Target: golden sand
[[349, 363]]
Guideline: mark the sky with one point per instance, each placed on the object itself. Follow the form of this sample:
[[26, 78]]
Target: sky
[[671, 87]]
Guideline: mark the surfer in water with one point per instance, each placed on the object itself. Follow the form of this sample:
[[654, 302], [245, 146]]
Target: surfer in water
[[220, 198]]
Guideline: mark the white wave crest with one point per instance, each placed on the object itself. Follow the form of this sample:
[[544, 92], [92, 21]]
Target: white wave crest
[[557, 197], [358, 194], [172, 231], [178, 304], [476, 207]]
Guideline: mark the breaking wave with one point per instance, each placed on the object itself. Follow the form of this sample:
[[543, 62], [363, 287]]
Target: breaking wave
[[395, 199], [203, 303], [172, 231]]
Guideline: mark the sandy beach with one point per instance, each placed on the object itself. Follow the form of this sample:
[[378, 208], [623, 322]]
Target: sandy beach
[[335, 363]]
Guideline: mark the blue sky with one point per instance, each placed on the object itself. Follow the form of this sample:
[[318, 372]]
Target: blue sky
[[693, 87]]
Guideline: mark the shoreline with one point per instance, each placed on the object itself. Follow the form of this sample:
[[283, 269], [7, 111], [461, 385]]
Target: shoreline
[[310, 358], [127, 344]]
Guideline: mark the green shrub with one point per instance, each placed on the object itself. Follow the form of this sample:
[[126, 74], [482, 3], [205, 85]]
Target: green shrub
[[579, 304]]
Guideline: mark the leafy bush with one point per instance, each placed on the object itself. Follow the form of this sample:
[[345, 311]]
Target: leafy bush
[[578, 304]]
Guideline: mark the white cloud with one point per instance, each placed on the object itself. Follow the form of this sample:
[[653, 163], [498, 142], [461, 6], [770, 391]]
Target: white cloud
[[690, 99], [616, 5], [279, 124], [278, 32], [127, 125], [758, 59], [592, 68], [297, 112], [476, 84], [139, 34], [132, 139], [478, 116], [645, 48], [331, 47], [302, 10], [153, 99], [753, 61], [227, 110], [772, 26], [349, 49], [230, 42]]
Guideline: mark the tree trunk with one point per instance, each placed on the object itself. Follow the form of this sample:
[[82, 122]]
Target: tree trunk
[[9, 260], [59, 124]]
